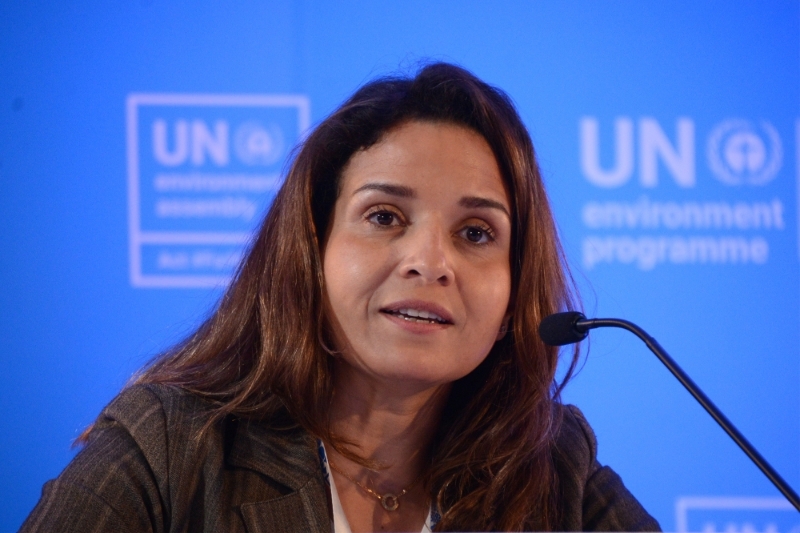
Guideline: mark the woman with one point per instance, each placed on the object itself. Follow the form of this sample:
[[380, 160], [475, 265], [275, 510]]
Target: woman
[[374, 365]]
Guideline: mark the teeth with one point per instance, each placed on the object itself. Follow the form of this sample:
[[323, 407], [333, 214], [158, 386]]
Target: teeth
[[416, 315], [415, 319]]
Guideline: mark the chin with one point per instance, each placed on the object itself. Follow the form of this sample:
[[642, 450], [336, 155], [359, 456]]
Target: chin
[[420, 376]]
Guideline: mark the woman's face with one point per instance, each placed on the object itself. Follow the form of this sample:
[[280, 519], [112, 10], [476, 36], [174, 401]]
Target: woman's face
[[416, 262]]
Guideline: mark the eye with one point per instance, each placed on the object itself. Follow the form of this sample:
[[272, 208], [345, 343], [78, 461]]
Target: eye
[[382, 216], [478, 234]]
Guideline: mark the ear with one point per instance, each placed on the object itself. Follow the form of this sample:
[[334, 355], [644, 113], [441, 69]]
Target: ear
[[503, 327]]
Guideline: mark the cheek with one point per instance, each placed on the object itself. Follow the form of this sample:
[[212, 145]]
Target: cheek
[[352, 273], [489, 296], [339, 275]]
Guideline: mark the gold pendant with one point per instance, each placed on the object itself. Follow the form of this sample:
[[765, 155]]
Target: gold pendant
[[389, 502]]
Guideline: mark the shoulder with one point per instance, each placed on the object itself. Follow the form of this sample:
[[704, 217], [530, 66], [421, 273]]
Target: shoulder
[[189, 452], [161, 422], [576, 444], [146, 402], [575, 460], [592, 497], [119, 480], [152, 411], [152, 462]]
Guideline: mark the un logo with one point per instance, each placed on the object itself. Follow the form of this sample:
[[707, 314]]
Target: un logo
[[739, 152], [256, 144]]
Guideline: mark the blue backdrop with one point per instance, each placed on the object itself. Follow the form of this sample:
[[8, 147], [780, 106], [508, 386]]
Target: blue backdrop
[[141, 141]]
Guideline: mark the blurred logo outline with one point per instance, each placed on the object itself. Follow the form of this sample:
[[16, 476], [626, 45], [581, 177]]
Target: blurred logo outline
[[195, 142], [738, 152], [686, 504]]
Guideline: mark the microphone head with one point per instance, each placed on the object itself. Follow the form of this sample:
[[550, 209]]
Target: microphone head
[[561, 329]]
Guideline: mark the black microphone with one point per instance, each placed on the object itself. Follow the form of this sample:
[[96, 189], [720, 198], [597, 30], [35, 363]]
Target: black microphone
[[561, 329], [571, 327]]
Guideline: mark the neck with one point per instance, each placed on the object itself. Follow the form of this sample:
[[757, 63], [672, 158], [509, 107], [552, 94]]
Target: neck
[[390, 426]]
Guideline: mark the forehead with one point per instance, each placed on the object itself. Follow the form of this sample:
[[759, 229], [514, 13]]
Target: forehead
[[427, 155]]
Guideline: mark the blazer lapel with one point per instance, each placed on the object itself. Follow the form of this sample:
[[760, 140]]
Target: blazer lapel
[[299, 511], [290, 458]]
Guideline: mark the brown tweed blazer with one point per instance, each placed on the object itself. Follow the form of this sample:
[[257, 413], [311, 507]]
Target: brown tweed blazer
[[142, 471]]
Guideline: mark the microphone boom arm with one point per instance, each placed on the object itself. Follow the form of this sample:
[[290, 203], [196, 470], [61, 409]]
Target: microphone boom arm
[[586, 324]]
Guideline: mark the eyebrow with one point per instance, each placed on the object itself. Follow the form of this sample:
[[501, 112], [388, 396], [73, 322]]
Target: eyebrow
[[476, 201], [402, 191], [393, 190]]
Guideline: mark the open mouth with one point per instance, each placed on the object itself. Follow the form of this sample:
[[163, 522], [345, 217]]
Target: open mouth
[[415, 315]]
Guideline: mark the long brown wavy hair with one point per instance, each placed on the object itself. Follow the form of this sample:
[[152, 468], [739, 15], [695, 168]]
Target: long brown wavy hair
[[263, 353]]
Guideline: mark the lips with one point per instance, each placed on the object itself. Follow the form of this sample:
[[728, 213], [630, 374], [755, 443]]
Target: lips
[[419, 312]]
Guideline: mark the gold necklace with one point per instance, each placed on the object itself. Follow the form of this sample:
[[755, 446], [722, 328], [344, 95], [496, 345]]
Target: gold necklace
[[389, 501]]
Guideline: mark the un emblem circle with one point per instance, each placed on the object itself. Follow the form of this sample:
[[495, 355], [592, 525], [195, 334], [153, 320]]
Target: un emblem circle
[[256, 144], [740, 152]]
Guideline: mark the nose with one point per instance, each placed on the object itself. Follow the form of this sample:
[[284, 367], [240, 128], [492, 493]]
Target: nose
[[427, 255]]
